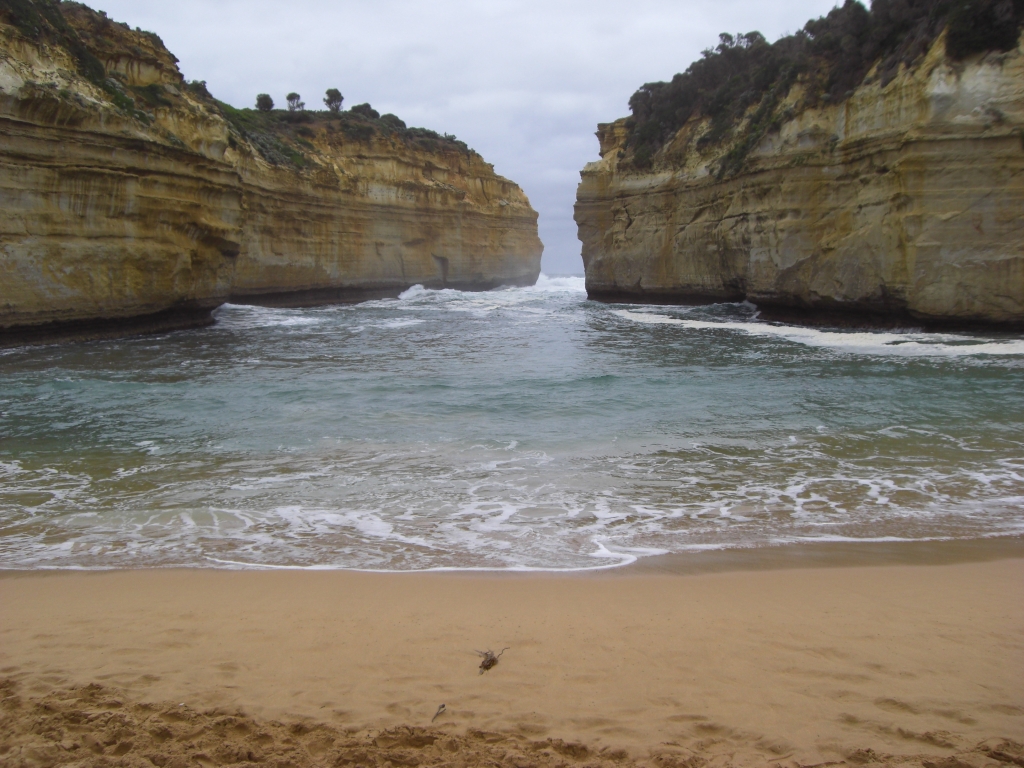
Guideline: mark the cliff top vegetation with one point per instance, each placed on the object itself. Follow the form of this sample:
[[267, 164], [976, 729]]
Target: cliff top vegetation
[[831, 56], [266, 128], [280, 136]]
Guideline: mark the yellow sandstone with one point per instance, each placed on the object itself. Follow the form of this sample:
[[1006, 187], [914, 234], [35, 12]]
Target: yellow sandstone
[[904, 202], [118, 219]]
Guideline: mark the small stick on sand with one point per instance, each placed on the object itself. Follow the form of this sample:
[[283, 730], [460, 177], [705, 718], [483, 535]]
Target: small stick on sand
[[490, 660], [440, 710]]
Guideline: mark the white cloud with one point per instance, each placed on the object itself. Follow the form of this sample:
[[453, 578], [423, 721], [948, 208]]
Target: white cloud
[[524, 82]]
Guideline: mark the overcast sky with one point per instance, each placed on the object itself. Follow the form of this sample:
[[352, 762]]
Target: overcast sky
[[523, 82]]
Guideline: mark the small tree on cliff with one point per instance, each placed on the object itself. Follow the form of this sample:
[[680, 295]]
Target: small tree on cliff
[[295, 103], [333, 99], [264, 103]]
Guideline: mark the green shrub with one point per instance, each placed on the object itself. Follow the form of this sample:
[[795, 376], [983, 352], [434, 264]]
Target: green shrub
[[358, 130], [264, 103], [198, 89], [983, 25], [153, 95], [365, 110], [423, 133], [154, 38], [122, 101]]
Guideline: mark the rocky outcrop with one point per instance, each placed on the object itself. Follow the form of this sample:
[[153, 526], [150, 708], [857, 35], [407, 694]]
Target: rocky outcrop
[[131, 200], [904, 202]]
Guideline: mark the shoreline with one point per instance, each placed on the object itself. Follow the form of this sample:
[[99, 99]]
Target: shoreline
[[834, 554], [768, 557], [744, 667]]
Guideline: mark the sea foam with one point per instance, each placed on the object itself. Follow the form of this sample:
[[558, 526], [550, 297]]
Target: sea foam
[[913, 344]]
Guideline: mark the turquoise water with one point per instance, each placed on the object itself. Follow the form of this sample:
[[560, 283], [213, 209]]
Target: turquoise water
[[518, 429]]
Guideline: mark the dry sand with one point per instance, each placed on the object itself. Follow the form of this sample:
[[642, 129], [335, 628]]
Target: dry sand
[[907, 664]]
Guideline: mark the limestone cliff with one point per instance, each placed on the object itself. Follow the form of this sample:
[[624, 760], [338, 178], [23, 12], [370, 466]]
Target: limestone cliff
[[131, 200], [904, 201]]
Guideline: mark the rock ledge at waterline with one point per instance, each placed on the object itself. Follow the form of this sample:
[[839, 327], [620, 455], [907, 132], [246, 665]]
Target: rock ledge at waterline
[[132, 201], [902, 203]]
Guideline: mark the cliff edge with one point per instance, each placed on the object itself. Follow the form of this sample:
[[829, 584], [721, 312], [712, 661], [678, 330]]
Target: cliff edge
[[887, 189], [131, 200]]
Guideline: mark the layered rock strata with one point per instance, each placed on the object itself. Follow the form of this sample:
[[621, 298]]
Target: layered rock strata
[[903, 203], [136, 203]]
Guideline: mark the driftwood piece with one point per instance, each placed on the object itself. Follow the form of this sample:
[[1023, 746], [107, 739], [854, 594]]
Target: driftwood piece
[[490, 659]]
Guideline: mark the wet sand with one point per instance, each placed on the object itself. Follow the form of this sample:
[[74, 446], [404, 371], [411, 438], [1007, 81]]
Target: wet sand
[[763, 664]]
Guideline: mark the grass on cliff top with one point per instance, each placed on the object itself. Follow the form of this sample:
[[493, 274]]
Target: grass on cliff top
[[831, 56], [277, 132]]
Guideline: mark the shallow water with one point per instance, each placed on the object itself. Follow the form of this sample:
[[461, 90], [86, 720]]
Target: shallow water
[[517, 429]]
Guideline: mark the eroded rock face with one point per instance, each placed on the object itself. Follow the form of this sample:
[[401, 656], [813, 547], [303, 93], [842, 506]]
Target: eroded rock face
[[380, 217], [905, 202], [139, 206]]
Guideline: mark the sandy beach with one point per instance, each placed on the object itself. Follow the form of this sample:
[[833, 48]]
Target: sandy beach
[[919, 664]]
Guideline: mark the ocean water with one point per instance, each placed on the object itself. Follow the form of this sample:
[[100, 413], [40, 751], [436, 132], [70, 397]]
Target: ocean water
[[525, 428]]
